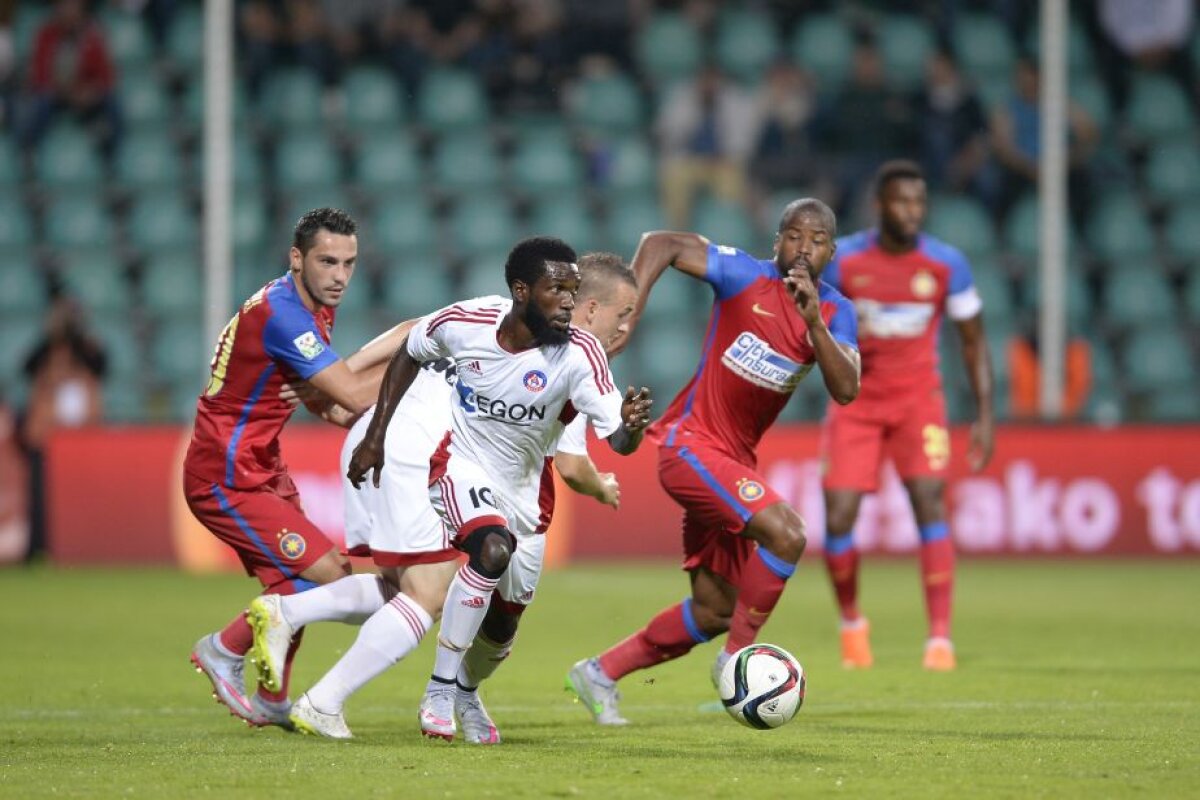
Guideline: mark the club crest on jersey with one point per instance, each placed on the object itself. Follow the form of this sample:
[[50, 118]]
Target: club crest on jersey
[[309, 345], [749, 490], [291, 544], [923, 285], [535, 380], [755, 360]]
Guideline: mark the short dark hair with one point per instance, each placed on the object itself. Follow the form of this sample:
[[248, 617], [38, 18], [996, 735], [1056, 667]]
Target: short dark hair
[[895, 170], [808, 204], [333, 220], [599, 272], [527, 260]]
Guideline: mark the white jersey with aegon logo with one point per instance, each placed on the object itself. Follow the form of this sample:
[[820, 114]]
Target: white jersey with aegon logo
[[507, 404]]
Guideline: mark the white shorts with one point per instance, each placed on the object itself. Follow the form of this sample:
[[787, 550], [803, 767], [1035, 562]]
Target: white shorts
[[395, 524]]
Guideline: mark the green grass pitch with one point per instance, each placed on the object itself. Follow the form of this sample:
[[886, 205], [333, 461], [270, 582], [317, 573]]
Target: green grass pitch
[[1076, 679]]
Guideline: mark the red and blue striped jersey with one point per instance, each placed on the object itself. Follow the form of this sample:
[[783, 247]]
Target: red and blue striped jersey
[[272, 339], [756, 351], [899, 299]]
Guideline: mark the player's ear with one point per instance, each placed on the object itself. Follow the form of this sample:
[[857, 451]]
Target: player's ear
[[295, 259]]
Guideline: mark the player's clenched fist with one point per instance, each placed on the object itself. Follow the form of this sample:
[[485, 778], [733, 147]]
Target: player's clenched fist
[[804, 292], [635, 411], [368, 457]]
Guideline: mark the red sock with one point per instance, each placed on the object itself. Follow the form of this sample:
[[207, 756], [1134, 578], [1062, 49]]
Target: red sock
[[664, 638], [937, 576], [843, 573], [282, 694], [236, 637], [763, 578]]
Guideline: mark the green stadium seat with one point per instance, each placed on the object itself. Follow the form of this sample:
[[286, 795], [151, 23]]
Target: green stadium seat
[[1182, 234], [163, 220], [466, 161], [193, 103], [1090, 95], [403, 226], [22, 284], [67, 159], [568, 218], [119, 336], [632, 166], [78, 220], [668, 48], [29, 17], [1133, 298], [726, 223], [665, 355], [484, 274], [906, 43], [544, 162], [172, 284], [373, 100], [1157, 359], [482, 224], [747, 42], [304, 160], [128, 40], [250, 228], [1021, 230], [1080, 305], [451, 100], [97, 280], [352, 330], [179, 351], [143, 101], [962, 221], [387, 162], [10, 163], [629, 218], [823, 44], [185, 39], [1158, 109], [416, 286], [1173, 172], [124, 401], [20, 332], [1191, 298], [1118, 229], [995, 289], [252, 272], [606, 104], [16, 226], [291, 98], [983, 46], [1079, 47], [304, 199], [677, 297], [148, 160], [1176, 405]]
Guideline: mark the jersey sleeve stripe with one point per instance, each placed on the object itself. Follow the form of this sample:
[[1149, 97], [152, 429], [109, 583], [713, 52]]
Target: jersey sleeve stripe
[[597, 359], [476, 318]]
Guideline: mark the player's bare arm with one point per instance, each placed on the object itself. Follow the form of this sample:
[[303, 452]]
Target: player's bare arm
[[979, 370], [580, 474], [378, 352], [401, 371], [635, 416], [841, 368], [687, 252]]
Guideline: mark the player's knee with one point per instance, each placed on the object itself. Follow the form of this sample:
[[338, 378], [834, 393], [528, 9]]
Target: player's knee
[[489, 549], [500, 624], [790, 540]]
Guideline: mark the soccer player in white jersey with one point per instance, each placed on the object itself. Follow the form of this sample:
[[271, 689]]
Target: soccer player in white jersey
[[397, 526]]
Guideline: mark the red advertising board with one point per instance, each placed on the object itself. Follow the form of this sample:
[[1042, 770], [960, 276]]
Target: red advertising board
[[114, 496]]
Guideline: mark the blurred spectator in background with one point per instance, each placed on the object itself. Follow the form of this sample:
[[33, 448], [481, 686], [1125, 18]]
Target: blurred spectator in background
[[71, 70], [1025, 382], [356, 27], [528, 75], [259, 31], [65, 370], [159, 14], [868, 123], [310, 37], [1149, 35], [14, 525], [954, 132], [707, 129], [606, 28], [1016, 143], [784, 154], [8, 62]]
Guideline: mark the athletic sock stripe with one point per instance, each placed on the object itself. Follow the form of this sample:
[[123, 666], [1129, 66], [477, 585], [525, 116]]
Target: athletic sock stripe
[[403, 605], [474, 580]]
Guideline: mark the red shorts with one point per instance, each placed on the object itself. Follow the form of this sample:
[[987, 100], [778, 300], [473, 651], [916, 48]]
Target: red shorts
[[266, 526], [719, 495], [910, 430]]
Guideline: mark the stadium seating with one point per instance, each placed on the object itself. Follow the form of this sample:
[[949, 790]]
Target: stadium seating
[[16, 225], [78, 220], [1118, 229], [387, 162], [606, 104], [415, 286], [1158, 110], [1173, 172], [22, 285], [668, 48], [172, 282], [962, 222], [144, 102], [291, 99], [823, 44], [482, 224], [630, 166], [67, 160], [726, 223], [306, 159], [1134, 297], [97, 279], [906, 43], [543, 162], [984, 47], [451, 100], [567, 217], [403, 226], [148, 160], [373, 101], [466, 161], [161, 220], [746, 43]]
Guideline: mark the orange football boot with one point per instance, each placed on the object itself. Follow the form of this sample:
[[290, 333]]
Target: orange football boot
[[856, 645], [939, 655]]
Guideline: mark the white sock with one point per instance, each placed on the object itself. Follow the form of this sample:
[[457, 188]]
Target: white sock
[[481, 660], [466, 604], [351, 600], [389, 635]]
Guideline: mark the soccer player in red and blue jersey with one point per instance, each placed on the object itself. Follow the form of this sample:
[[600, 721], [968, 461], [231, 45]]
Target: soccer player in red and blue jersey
[[901, 281], [235, 480], [771, 322]]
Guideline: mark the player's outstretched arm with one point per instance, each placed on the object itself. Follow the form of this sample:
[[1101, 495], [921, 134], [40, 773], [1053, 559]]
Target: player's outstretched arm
[[979, 369], [840, 366], [635, 416], [579, 472], [368, 456], [687, 252]]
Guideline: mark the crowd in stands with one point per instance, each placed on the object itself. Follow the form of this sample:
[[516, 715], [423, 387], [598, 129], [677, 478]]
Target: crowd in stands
[[450, 123]]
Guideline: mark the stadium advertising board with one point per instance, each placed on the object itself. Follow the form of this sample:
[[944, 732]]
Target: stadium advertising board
[[115, 496]]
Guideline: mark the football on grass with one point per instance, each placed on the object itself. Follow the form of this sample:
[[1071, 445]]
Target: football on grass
[[762, 686]]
